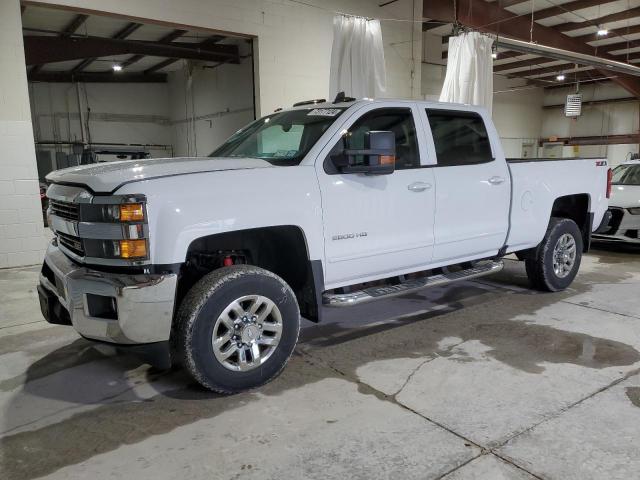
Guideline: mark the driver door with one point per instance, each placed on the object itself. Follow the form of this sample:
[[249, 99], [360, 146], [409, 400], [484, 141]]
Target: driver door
[[378, 225]]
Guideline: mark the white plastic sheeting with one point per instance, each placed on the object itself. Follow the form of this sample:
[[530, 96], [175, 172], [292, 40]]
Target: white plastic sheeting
[[357, 58], [469, 77]]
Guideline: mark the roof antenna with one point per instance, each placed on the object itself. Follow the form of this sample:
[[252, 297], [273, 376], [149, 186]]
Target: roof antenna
[[341, 98]]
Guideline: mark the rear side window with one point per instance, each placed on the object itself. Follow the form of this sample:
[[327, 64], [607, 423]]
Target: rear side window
[[460, 138]]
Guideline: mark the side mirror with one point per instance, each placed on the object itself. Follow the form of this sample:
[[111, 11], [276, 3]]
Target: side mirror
[[378, 157]]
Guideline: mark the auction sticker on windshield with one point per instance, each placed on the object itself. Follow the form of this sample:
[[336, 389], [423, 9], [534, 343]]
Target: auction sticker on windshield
[[324, 112]]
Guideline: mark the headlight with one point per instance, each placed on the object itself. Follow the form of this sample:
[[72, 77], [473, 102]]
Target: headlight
[[114, 213], [634, 211]]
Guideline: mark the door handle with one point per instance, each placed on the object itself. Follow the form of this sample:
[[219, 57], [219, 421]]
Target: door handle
[[419, 186], [496, 180]]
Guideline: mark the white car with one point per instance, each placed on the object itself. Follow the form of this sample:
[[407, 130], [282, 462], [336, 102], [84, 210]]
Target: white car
[[211, 261], [622, 221]]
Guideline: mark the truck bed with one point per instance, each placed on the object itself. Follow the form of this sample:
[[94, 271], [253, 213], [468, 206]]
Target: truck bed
[[538, 182]]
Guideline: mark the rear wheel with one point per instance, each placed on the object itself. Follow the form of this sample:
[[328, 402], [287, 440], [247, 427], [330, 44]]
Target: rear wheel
[[237, 328], [555, 262]]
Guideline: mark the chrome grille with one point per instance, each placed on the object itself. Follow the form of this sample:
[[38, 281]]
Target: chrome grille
[[71, 243], [67, 210]]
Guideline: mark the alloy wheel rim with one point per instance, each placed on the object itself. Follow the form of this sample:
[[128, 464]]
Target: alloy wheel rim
[[247, 333], [564, 255]]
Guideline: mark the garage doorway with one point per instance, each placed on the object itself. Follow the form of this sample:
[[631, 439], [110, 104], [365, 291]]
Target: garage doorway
[[105, 88]]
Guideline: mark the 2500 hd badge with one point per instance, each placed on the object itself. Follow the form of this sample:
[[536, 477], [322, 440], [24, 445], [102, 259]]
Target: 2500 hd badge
[[347, 236]]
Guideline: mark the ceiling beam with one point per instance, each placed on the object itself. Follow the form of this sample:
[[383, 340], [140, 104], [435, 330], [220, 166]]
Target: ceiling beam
[[121, 34], [623, 45], [614, 17], [521, 64], [510, 3], [572, 83], [628, 138], [69, 30], [160, 65], [594, 102], [74, 25], [568, 7], [170, 37], [570, 77], [212, 40], [593, 37], [489, 17], [554, 70], [502, 54], [101, 77], [43, 49], [426, 26]]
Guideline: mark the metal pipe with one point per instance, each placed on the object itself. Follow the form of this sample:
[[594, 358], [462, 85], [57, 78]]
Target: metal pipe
[[82, 132], [567, 55]]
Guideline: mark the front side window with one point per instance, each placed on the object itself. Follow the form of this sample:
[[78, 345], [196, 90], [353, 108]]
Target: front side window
[[460, 138], [626, 175], [397, 120], [283, 138]]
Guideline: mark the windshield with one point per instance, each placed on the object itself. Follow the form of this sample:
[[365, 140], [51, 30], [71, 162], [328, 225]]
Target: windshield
[[282, 138], [626, 175]]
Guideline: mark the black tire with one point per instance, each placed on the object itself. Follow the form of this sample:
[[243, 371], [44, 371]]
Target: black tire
[[207, 300], [539, 266]]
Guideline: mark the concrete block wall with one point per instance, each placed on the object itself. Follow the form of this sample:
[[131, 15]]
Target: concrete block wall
[[23, 237]]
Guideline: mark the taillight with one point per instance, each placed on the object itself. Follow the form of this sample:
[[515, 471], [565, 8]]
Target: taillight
[[609, 178]]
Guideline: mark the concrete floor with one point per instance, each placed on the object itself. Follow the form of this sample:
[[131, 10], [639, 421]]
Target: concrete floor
[[480, 380]]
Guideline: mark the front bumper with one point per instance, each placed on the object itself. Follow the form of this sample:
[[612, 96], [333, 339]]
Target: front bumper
[[125, 309], [619, 226]]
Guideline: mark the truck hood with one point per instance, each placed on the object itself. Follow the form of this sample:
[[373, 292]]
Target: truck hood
[[625, 196], [107, 177]]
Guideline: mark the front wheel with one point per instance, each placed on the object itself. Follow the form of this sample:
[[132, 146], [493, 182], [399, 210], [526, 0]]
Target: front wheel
[[237, 328], [555, 262]]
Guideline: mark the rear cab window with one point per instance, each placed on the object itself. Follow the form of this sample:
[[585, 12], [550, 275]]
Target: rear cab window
[[460, 138]]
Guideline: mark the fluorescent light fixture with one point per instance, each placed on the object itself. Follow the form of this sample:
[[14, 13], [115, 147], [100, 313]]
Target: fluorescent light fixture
[[116, 67], [603, 32], [560, 77]]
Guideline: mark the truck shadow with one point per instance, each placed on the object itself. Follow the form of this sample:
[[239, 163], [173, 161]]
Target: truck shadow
[[80, 374]]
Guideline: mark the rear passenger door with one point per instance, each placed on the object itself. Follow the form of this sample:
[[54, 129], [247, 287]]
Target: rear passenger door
[[473, 189]]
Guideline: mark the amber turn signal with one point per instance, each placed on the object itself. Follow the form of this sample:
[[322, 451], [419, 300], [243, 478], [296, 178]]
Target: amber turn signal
[[131, 212], [133, 248]]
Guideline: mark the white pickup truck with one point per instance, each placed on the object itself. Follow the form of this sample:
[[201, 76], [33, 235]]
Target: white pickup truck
[[210, 262]]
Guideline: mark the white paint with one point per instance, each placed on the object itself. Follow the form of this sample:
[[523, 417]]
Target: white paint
[[22, 235]]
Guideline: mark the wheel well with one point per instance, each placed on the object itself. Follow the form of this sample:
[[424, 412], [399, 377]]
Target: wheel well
[[280, 249], [575, 207]]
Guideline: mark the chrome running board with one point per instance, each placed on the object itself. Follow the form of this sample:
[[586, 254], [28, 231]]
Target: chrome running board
[[386, 291]]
